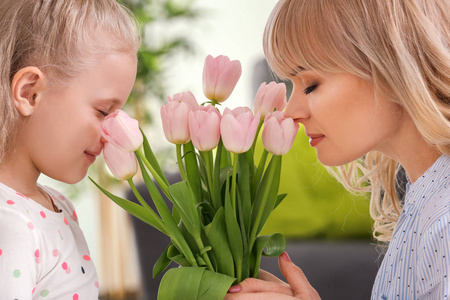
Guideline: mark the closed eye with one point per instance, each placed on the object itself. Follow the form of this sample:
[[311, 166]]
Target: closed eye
[[309, 89], [104, 113]]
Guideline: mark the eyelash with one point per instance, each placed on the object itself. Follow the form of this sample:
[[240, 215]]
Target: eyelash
[[309, 89], [103, 113]]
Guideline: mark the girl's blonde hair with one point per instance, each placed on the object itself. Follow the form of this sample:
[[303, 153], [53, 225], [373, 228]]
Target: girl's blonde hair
[[402, 46], [61, 37]]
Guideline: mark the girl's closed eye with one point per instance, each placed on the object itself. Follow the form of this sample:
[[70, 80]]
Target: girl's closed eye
[[103, 113]]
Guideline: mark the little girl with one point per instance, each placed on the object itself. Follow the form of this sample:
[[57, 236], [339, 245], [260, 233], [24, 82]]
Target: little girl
[[64, 65], [372, 89]]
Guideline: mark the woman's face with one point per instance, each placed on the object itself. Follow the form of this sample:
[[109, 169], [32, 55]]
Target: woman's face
[[342, 116]]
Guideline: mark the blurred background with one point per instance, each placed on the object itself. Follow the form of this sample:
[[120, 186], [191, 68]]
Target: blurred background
[[328, 230]]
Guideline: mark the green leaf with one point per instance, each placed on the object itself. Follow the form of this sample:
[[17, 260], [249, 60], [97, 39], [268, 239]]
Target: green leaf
[[184, 201], [280, 199], [176, 256], [193, 284], [136, 210], [162, 263], [234, 233], [244, 190], [275, 245], [193, 174], [152, 158], [216, 232], [170, 222]]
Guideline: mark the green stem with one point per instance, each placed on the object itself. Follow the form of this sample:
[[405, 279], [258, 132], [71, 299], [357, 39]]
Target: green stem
[[205, 256], [162, 184], [180, 163], [259, 172], [233, 182], [207, 157], [261, 122]]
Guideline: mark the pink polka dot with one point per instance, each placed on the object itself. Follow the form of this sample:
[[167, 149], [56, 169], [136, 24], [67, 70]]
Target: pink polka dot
[[1, 252], [96, 284], [61, 197], [19, 194], [87, 258], [74, 215], [36, 253], [43, 214], [33, 290], [64, 266], [55, 253], [65, 221], [10, 202], [30, 225], [75, 297]]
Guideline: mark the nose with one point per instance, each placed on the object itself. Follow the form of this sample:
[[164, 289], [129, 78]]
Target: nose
[[102, 139], [297, 107]]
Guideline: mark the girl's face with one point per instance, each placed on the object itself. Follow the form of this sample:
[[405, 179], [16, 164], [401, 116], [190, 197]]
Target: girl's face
[[343, 117], [62, 137]]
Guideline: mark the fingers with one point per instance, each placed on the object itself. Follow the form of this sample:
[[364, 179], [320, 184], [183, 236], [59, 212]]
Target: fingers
[[297, 280], [258, 296], [253, 285], [266, 276]]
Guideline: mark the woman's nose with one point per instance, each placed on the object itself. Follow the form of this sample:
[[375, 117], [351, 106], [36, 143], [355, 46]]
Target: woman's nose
[[297, 107], [102, 139]]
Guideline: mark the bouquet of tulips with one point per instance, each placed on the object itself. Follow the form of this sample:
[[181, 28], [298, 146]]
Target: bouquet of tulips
[[225, 196]]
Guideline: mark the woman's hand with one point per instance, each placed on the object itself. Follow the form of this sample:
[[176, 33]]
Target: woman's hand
[[270, 287]]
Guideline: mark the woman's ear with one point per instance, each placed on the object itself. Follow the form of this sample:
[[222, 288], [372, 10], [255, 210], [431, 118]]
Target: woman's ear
[[26, 88]]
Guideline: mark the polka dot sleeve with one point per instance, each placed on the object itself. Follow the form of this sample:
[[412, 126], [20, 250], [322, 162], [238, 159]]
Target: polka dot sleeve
[[18, 255], [434, 261]]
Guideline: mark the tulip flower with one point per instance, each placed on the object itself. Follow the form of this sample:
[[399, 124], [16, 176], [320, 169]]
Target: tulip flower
[[122, 164], [238, 129], [186, 97], [270, 97], [175, 117], [278, 133], [220, 76], [122, 131], [204, 128]]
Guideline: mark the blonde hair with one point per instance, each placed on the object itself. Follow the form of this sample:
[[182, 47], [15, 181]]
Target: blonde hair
[[401, 46], [61, 37]]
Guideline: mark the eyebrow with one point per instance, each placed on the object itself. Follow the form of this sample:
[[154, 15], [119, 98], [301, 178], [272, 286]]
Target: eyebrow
[[113, 100], [297, 70]]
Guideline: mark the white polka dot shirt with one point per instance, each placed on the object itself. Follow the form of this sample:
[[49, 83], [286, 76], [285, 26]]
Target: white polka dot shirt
[[417, 263]]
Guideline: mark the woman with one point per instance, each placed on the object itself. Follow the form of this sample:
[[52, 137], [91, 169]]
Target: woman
[[372, 89]]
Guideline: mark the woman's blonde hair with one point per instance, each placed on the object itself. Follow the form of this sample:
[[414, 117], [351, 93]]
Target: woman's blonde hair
[[61, 37], [401, 46]]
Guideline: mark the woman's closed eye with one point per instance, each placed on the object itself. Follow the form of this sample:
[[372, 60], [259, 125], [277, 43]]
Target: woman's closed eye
[[309, 89], [103, 113]]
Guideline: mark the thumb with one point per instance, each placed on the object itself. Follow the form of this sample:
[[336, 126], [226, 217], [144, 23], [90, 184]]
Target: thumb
[[296, 278]]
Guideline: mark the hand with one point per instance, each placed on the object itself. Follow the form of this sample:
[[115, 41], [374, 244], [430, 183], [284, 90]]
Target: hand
[[270, 287]]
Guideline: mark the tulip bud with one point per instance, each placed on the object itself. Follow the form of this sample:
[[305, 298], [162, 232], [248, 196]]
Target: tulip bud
[[175, 117], [270, 97], [122, 164], [278, 133], [238, 129], [220, 76], [204, 127], [122, 131]]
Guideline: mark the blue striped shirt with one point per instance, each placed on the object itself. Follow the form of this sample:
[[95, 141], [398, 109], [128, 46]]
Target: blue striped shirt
[[417, 263]]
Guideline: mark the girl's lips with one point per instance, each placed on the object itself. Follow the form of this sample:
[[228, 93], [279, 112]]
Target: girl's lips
[[315, 139], [90, 156]]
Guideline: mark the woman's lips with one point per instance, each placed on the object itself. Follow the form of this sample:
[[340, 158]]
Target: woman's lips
[[90, 156], [315, 139]]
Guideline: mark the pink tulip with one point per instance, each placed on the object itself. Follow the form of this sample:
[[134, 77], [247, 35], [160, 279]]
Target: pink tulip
[[270, 97], [186, 97], [204, 127], [238, 129], [220, 76], [175, 117], [278, 133], [122, 164], [122, 131]]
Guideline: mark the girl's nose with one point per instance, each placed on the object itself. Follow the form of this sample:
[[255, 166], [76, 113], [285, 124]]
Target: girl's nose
[[297, 107]]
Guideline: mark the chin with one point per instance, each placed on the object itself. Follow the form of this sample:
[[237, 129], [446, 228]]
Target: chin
[[334, 159]]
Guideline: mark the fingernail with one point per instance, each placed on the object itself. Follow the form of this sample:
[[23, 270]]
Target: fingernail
[[234, 289], [286, 257]]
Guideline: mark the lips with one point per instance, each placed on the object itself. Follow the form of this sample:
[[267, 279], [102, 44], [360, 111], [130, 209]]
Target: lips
[[91, 155], [315, 139]]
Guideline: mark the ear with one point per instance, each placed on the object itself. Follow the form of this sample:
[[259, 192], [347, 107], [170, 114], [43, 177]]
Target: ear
[[26, 89]]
